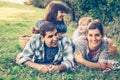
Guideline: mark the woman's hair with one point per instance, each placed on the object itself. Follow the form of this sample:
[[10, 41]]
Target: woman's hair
[[52, 10], [96, 24], [44, 27], [85, 19]]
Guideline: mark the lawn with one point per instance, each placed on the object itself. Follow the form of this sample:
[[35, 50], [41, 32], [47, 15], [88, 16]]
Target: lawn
[[17, 20]]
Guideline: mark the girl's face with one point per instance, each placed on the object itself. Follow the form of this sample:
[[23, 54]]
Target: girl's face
[[60, 15], [83, 27], [94, 39]]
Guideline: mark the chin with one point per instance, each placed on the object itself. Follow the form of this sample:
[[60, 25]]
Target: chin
[[55, 46], [95, 46]]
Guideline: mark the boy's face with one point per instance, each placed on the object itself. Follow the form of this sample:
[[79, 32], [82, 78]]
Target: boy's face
[[50, 38], [59, 35]]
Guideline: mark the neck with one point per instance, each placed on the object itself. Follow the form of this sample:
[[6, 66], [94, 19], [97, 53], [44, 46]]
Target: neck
[[93, 48]]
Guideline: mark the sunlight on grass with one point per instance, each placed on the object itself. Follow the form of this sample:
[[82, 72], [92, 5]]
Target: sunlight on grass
[[6, 13]]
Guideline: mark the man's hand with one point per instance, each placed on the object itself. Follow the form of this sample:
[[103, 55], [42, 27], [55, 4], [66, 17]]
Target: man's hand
[[57, 68], [54, 68], [43, 68]]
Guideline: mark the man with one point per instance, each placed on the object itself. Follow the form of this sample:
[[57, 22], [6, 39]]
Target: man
[[45, 52]]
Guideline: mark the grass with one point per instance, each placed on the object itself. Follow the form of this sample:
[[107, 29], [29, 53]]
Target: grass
[[17, 20]]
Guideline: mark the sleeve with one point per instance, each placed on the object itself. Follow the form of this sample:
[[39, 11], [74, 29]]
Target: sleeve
[[80, 45], [103, 57], [67, 53], [28, 51], [76, 34]]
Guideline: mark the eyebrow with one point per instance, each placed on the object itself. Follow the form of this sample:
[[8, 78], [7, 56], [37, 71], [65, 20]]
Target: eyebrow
[[52, 35]]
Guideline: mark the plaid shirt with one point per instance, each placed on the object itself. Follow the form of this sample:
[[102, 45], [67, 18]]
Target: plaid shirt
[[102, 52], [34, 51]]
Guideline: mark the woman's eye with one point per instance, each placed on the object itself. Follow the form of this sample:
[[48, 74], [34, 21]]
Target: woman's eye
[[97, 35], [90, 35]]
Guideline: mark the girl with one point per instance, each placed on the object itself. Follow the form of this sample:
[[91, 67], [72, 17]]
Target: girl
[[54, 13], [82, 27]]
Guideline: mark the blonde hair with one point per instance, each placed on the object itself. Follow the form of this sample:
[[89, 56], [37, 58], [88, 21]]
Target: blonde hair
[[87, 19]]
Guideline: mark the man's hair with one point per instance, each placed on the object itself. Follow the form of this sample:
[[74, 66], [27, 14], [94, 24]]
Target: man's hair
[[45, 27], [52, 10]]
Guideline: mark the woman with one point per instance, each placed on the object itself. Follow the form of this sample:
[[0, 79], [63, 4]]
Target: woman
[[93, 52], [54, 12]]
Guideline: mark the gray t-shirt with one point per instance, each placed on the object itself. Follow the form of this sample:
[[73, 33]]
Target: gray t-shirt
[[102, 52]]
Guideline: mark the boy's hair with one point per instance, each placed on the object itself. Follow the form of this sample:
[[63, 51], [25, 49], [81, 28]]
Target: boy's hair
[[52, 10], [45, 27], [61, 27], [87, 19]]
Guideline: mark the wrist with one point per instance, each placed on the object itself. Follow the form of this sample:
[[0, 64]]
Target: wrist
[[62, 67]]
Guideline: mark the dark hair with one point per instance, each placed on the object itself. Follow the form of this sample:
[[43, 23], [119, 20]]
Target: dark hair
[[61, 27], [96, 25], [52, 10], [46, 26]]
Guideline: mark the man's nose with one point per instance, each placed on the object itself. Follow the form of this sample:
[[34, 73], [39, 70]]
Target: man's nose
[[55, 37]]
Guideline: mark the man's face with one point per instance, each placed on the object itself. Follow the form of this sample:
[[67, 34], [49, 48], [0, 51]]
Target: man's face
[[50, 38]]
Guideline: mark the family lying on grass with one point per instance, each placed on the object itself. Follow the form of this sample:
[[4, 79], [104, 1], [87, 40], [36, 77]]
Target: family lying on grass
[[50, 50]]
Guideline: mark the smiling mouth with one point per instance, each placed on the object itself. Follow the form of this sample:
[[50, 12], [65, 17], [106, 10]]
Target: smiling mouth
[[55, 42]]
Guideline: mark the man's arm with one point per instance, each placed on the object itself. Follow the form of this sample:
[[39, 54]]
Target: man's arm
[[68, 57], [40, 67]]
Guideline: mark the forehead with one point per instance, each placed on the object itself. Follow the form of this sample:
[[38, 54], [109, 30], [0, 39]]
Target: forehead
[[93, 31], [48, 33]]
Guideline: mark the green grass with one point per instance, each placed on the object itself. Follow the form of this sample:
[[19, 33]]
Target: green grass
[[19, 22]]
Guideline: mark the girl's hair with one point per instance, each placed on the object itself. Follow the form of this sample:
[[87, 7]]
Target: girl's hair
[[87, 19], [52, 10], [96, 24]]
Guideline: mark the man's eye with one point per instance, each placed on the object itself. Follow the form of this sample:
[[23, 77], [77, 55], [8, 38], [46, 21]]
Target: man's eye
[[50, 36], [56, 34]]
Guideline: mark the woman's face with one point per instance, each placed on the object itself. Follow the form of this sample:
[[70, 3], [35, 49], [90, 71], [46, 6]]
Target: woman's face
[[60, 15], [94, 38]]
